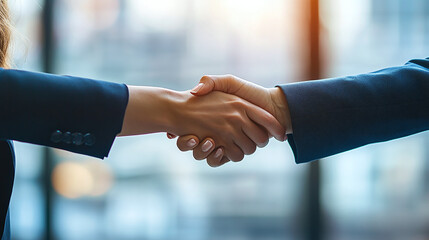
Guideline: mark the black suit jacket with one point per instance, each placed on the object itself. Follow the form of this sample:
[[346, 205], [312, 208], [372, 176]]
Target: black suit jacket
[[335, 115], [75, 114]]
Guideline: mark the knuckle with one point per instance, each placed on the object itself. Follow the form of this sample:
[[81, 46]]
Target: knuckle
[[262, 140], [235, 118], [238, 103], [205, 78], [197, 155], [265, 143], [238, 157], [181, 146], [212, 163], [230, 76], [252, 149], [267, 117], [249, 148]]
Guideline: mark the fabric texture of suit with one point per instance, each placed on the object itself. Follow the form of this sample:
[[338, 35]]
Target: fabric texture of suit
[[75, 114], [335, 115]]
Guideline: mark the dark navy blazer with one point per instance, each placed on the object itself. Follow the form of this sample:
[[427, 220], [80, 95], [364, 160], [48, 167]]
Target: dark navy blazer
[[75, 114], [336, 115]]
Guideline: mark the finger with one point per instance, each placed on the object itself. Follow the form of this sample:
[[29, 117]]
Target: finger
[[234, 153], [266, 120], [204, 149], [257, 134], [188, 142], [223, 161], [223, 83], [216, 158], [171, 136], [245, 143]]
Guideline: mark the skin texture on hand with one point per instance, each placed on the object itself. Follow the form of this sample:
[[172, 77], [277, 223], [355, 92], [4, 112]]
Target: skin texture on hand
[[229, 120], [234, 125], [273, 100]]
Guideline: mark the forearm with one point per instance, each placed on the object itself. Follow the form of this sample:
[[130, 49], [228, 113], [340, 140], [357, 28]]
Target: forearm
[[336, 115], [149, 110], [76, 114]]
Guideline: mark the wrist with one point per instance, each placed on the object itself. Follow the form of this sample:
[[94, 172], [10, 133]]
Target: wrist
[[173, 105], [148, 111], [281, 108], [179, 112]]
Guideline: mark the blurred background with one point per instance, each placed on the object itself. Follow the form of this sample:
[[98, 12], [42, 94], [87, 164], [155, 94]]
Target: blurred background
[[148, 189]]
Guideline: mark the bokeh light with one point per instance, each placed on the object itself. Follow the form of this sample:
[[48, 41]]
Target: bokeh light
[[77, 179]]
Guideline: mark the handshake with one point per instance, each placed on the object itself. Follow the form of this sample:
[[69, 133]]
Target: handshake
[[222, 119]]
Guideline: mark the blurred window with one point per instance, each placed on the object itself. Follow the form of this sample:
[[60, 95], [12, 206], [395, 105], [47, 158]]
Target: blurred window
[[378, 191], [147, 188]]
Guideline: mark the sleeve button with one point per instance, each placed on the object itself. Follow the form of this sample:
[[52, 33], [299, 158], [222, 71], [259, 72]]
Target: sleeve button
[[56, 136], [77, 139], [89, 139], [67, 138]]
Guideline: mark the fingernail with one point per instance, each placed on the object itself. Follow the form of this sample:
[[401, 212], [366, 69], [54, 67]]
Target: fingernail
[[197, 88], [169, 136], [218, 153], [207, 146], [191, 143], [285, 138]]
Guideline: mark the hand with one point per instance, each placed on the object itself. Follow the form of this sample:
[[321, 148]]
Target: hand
[[272, 100], [234, 125]]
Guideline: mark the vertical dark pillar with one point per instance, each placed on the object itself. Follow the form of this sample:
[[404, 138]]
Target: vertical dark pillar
[[47, 59], [47, 36], [313, 225], [313, 220]]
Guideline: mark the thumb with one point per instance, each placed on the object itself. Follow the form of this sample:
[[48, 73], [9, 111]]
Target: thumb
[[205, 86], [223, 83]]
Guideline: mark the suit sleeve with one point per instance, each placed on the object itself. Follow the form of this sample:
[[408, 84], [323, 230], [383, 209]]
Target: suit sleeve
[[75, 114], [335, 115]]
